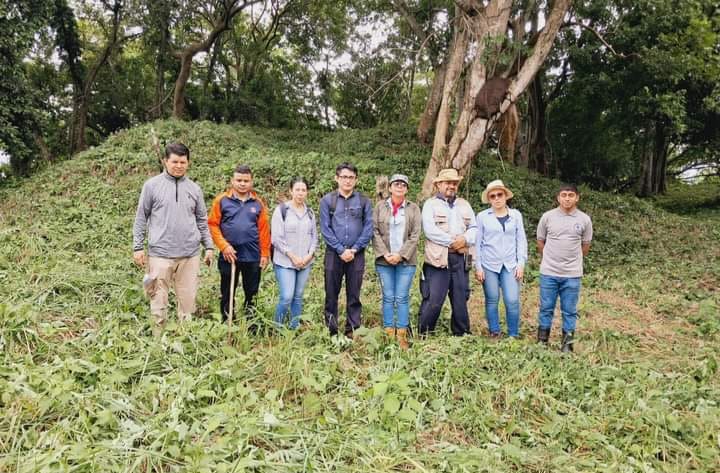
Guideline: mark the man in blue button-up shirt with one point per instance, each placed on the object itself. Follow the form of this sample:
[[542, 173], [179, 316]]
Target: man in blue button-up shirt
[[346, 226]]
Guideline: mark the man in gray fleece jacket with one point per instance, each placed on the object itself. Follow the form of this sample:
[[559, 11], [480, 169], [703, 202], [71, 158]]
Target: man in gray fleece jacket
[[172, 211]]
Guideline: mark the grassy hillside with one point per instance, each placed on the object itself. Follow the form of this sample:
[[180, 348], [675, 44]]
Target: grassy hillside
[[84, 387]]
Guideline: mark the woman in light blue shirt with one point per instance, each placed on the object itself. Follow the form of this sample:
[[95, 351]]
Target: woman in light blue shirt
[[501, 255], [294, 239]]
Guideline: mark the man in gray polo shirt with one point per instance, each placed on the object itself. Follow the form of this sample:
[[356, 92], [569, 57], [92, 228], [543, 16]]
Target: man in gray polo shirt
[[563, 238]]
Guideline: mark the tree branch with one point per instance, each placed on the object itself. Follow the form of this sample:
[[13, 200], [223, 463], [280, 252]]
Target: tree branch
[[562, 80], [404, 10], [602, 40]]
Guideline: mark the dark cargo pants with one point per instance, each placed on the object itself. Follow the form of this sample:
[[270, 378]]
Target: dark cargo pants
[[438, 283]]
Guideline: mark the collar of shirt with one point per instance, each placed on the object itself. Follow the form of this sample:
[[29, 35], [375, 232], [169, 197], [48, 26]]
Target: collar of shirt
[[300, 213], [394, 208], [450, 202], [571, 214], [490, 211], [231, 194], [348, 197], [173, 178]]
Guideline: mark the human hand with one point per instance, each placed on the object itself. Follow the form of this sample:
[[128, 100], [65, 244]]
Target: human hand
[[295, 260], [139, 258], [519, 273], [480, 275], [209, 253], [264, 262], [229, 254], [393, 258], [458, 243], [347, 256]]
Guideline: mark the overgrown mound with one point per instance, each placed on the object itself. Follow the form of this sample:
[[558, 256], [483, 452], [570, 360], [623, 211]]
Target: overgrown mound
[[84, 387]]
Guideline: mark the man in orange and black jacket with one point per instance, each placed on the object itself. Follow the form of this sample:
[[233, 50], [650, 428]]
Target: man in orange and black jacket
[[240, 229]]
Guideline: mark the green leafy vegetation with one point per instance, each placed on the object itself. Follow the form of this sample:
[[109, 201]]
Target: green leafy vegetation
[[84, 387]]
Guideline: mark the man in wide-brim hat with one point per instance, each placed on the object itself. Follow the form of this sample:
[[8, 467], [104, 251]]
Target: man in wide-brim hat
[[449, 226]]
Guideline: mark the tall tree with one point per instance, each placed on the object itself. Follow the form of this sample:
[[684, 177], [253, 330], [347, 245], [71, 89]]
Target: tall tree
[[481, 38], [21, 107], [111, 35], [213, 18], [648, 83], [159, 19]]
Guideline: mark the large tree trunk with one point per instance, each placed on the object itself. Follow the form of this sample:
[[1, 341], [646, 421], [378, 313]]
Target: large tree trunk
[[507, 128], [458, 49], [470, 131], [654, 168], [432, 106], [534, 145]]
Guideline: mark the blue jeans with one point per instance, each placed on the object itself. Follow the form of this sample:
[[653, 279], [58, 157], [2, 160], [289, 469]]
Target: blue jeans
[[395, 282], [292, 284], [510, 286], [569, 291]]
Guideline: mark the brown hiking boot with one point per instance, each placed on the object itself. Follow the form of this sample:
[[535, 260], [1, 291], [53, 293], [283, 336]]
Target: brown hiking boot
[[390, 332], [402, 339]]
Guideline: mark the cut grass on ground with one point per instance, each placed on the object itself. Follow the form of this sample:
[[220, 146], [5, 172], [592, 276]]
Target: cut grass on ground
[[85, 388]]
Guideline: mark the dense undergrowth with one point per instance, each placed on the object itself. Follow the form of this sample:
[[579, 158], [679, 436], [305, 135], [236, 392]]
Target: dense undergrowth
[[85, 387]]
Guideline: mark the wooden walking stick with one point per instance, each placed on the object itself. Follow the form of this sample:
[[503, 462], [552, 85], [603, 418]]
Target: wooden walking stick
[[232, 301]]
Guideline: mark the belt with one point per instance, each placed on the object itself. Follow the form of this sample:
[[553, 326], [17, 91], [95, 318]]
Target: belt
[[457, 252]]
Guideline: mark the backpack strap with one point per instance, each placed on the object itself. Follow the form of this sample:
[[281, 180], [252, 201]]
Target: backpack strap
[[283, 211], [333, 203], [364, 200]]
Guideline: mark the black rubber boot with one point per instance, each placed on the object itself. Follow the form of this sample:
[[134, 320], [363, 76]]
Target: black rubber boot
[[567, 342], [543, 335]]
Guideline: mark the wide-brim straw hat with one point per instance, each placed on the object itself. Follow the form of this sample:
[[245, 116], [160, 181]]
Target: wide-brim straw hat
[[496, 184], [448, 175]]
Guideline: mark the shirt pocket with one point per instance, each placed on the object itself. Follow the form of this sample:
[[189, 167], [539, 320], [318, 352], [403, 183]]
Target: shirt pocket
[[354, 212]]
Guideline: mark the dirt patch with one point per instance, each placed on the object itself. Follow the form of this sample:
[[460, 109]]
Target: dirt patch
[[440, 435], [600, 310]]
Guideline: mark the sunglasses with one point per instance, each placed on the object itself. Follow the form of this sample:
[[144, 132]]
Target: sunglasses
[[496, 196]]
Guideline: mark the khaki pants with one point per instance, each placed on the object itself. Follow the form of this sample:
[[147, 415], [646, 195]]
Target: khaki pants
[[178, 273]]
